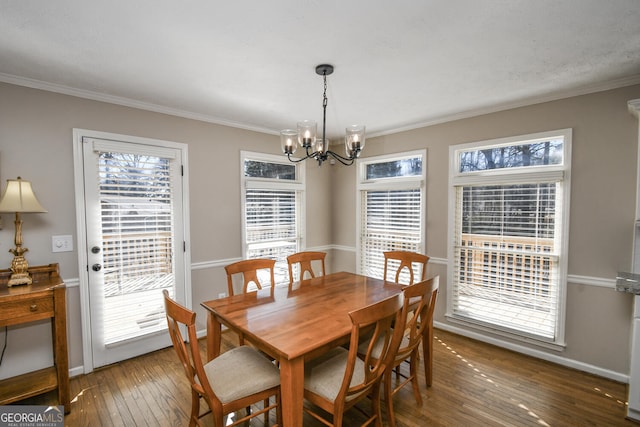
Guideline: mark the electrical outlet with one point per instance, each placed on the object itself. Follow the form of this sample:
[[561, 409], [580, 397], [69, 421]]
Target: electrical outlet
[[222, 295], [62, 243]]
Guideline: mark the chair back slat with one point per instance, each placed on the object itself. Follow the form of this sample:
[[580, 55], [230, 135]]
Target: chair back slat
[[407, 260], [304, 262], [249, 269]]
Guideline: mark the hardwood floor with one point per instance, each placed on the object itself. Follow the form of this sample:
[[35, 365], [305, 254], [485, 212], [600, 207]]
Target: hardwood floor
[[475, 384]]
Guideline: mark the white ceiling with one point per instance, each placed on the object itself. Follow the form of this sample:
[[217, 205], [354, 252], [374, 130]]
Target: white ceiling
[[398, 64]]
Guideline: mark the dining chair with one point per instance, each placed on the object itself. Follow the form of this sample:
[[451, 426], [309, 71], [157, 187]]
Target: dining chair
[[304, 260], [250, 269], [427, 338], [410, 261], [406, 259], [419, 304], [234, 380], [338, 379]]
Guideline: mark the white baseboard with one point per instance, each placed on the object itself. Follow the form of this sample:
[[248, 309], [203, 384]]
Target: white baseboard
[[570, 363], [633, 414], [74, 372]]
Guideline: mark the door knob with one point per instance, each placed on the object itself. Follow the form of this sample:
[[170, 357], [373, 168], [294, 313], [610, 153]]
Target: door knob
[[96, 267], [95, 249]]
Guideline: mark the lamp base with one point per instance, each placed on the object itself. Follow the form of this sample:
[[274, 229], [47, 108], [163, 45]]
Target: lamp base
[[19, 279], [19, 268]]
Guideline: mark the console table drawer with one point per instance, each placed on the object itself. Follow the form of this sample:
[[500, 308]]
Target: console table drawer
[[27, 309]]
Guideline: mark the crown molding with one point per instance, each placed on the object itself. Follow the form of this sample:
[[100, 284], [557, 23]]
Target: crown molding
[[569, 93], [127, 102]]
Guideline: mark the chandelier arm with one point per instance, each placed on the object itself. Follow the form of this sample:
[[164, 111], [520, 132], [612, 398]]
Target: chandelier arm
[[347, 161], [299, 160]]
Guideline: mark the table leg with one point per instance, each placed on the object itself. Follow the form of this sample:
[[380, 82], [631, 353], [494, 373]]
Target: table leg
[[214, 336], [292, 391], [60, 355]]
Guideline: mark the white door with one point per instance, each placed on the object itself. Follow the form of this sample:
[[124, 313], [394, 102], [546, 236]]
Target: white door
[[134, 198]]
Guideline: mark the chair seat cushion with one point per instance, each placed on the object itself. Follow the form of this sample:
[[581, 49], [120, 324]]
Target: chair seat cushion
[[240, 372], [325, 374]]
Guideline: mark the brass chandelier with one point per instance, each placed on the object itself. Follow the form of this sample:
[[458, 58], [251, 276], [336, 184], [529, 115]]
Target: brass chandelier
[[316, 148]]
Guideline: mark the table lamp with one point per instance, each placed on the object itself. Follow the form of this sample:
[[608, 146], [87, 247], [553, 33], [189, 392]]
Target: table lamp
[[18, 197]]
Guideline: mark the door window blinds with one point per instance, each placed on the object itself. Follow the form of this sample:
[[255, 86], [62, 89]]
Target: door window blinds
[[136, 209]]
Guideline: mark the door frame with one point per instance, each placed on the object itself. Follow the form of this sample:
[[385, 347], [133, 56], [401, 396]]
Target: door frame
[[81, 221]]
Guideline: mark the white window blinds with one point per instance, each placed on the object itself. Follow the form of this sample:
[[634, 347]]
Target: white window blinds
[[136, 213], [508, 236], [506, 256], [391, 221], [391, 209], [272, 203], [271, 230]]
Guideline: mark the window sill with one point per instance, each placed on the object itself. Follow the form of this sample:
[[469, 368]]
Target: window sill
[[498, 337]]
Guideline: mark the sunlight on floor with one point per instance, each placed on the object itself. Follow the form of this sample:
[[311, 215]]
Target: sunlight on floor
[[80, 394], [607, 395], [491, 381]]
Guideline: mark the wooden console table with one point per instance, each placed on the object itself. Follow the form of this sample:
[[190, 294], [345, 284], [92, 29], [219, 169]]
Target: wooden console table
[[45, 298]]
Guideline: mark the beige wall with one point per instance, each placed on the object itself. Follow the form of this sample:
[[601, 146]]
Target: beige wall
[[602, 211], [36, 143]]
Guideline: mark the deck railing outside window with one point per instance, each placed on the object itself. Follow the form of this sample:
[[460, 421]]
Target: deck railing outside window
[[517, 268], [127, 257]]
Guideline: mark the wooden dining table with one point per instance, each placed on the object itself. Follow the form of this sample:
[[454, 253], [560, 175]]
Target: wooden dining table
[[295, 326]]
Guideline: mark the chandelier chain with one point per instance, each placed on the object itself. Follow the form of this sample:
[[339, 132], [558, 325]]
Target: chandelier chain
[[324, 95], [324, 118]]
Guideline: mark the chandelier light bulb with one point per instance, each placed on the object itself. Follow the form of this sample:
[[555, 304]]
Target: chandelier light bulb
[[321, 146], [354, 140], [307, 130], [289, 141]]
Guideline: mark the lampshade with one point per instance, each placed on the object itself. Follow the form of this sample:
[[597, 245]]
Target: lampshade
[[19, 197]]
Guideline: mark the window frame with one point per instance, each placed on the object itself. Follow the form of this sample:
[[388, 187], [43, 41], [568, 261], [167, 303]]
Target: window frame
[[387, 184], [512, 176], [298, 186]]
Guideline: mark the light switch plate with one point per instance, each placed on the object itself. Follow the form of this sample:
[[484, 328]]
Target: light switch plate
[[62, 243]]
